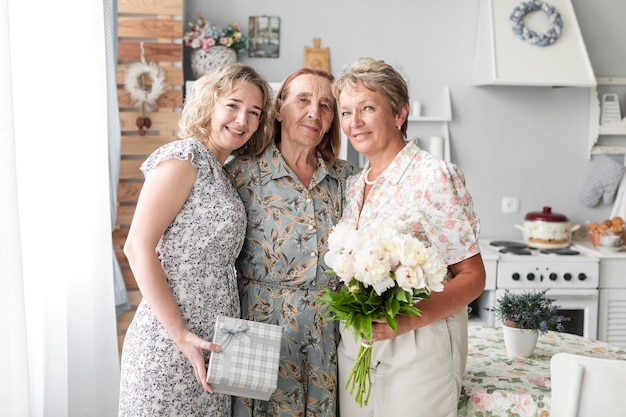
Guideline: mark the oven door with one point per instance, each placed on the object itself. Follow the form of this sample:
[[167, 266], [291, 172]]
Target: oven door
[[580, 306]]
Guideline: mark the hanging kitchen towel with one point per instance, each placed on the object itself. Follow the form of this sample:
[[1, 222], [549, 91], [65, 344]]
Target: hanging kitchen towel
[[603, 182]]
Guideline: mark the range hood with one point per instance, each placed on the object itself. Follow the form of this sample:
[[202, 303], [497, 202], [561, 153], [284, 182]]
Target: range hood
[[503, 58]]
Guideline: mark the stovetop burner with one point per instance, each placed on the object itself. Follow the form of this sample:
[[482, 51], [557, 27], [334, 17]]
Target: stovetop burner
[[520, 248], [560, 251], [509, 244], [516, 251]]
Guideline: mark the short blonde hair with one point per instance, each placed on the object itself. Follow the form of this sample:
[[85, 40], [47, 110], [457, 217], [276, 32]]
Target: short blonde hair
[[377, 76], [195, 120]]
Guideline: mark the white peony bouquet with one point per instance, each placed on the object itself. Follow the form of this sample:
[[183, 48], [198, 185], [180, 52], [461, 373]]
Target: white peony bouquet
[[385, 272]]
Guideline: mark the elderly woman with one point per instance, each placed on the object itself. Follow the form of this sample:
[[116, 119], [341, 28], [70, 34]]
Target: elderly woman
[[418, 368], [293, 194]]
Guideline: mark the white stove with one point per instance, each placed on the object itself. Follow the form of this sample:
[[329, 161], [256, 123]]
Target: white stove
[[571, 277], [520, 266]]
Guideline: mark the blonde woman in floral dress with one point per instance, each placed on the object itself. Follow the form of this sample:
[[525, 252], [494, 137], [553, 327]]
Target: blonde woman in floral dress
[[418, 369], [293, 194], [186, 233]]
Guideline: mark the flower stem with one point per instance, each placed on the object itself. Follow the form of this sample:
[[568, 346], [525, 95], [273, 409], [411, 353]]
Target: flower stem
[[360, 376]]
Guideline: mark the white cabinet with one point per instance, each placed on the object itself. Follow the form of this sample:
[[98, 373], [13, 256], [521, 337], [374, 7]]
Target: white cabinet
[[480, 314], [612, 286], [612, 317], [606, 138], [612, 314]]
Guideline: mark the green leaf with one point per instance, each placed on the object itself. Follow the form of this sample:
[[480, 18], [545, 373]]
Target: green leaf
[[392, 307], [391, 322], [403, 296], [358, 305], [362, 325], [409, 310]]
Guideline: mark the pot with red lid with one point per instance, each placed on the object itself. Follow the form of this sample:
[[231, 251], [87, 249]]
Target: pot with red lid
[[547, 230]]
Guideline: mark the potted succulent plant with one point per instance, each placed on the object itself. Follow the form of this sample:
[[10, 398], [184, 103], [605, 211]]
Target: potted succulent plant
[[524, 315]]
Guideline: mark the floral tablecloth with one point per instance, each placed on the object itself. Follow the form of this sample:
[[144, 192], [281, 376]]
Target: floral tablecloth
[[498, 385]]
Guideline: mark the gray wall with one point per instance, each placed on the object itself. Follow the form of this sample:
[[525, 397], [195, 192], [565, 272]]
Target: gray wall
[[526, 142]]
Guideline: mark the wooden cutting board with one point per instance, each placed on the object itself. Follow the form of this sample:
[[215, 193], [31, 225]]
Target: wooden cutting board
[[317, 57]]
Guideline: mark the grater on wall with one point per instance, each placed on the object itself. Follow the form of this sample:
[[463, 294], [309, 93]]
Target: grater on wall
[[610, 109]]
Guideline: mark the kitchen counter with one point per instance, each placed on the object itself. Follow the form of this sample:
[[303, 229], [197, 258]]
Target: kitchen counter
[[587, 247], [612, 288], [486, 253], [490, 259]]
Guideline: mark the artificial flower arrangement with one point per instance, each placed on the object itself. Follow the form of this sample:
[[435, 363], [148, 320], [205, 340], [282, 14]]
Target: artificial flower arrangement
[[384, 272], [530, 310], [203, 35]]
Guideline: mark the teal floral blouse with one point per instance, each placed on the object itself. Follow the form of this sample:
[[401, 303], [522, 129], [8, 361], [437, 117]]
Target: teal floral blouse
[[281, 273]]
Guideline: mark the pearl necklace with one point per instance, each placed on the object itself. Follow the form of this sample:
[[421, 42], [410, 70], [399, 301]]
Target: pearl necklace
[[366, 173]]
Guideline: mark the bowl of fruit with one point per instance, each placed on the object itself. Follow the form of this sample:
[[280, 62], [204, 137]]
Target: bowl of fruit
[[614, 226]]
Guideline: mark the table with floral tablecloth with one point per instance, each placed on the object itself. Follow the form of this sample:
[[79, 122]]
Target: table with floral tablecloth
[[495, 384]]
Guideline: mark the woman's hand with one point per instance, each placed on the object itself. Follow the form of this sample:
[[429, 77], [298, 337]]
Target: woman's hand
[[382, 331], [192, 347], [467, 285]]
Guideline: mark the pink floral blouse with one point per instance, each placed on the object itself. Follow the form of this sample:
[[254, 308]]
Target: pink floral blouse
[[425, 194]]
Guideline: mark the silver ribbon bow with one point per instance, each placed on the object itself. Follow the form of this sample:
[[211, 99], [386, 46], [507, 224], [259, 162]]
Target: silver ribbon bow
[[228, 331]]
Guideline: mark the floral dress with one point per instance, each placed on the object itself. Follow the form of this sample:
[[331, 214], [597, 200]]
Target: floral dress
[[197, 252], [282, 272]]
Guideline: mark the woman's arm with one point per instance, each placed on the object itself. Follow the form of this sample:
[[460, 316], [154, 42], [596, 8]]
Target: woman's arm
[[164, 192], [467, 285]]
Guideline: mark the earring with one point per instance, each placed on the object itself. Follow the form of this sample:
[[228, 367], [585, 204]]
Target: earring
[[399, 127]]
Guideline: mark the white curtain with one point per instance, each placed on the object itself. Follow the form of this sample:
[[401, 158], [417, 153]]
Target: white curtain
[[59, 345], [122, 302]]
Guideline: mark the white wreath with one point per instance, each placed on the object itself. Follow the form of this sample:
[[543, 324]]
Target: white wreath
[[530, 36], [138, 93]]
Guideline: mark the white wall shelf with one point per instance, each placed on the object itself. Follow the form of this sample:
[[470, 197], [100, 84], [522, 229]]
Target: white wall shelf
[[596, 130], [447, 111], [444, 119]]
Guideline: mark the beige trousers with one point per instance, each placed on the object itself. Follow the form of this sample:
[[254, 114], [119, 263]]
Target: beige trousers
[[415, 374]]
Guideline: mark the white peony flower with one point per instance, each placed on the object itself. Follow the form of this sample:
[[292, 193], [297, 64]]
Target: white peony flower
[[412, 251], [434, 270], [342, 238], [381, 286], [370, 256], [343, 265], [371, 264], [410, 277]]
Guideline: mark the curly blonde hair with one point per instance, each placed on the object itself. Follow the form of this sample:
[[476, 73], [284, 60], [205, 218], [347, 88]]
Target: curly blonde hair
[[195, 120]]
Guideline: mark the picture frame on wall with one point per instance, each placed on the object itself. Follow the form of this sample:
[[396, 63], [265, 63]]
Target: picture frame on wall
[[264, 37]]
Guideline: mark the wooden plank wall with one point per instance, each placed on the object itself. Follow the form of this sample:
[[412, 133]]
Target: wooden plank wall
[[159, 25]]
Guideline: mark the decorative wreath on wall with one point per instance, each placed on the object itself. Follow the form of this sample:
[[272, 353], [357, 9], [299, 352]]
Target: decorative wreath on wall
[[140, 93], [530, 36], [144, 94]]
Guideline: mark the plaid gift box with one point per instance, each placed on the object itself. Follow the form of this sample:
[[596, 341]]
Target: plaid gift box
[[247, 366]]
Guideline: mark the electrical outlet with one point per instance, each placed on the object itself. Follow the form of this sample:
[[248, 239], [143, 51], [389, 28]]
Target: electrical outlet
[[510, 204]]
